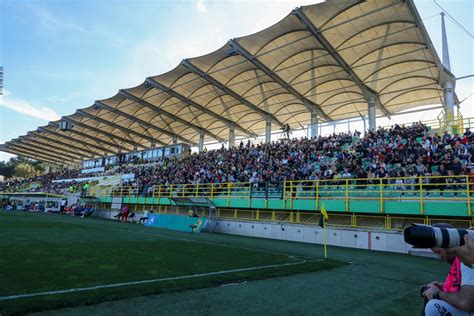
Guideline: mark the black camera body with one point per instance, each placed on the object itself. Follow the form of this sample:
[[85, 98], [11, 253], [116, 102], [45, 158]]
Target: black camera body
[[423, 289]]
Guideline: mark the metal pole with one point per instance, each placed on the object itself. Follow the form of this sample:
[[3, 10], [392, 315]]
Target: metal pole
[[268, 129], [313, 130], [371, 111], [231, 136], [446, 62], [201, 141]]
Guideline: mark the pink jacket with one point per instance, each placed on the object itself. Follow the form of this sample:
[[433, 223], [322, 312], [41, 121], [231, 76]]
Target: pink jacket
[[453, 280]]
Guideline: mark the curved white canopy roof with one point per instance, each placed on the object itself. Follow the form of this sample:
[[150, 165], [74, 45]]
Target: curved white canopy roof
[[329, 58]]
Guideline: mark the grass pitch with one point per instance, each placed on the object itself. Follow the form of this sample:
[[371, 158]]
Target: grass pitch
[[51, 261]]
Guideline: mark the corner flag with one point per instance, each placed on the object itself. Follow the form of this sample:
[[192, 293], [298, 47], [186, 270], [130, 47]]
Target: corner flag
[[323, 218]]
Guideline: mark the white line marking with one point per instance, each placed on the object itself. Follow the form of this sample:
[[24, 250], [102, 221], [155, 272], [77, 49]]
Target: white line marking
[[291, 256], [235, 283], [19, 296]]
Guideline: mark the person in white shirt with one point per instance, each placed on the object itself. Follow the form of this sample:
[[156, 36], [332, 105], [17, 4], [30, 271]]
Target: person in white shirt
[[143, 218], [452, 303]]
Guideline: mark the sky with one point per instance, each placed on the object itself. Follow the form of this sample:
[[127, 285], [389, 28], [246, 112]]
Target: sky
[[61, 55]]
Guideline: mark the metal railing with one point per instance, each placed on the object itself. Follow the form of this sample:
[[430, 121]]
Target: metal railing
[[336, 220], [419, 189]]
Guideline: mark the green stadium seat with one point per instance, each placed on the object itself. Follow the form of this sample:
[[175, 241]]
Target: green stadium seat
[[435, 193], [462, 194]]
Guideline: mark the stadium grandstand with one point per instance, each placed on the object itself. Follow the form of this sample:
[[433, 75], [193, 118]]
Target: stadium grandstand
[[217, 136], [322, 63]]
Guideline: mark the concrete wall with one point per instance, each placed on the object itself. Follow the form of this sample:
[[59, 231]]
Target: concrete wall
[[342, 237], [110, 215]]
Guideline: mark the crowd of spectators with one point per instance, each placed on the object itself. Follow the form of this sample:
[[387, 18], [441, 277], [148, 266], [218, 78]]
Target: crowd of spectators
[[44, 183], [386, 153], [400, 151]]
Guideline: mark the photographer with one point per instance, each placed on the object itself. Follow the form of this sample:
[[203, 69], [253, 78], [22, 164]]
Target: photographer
[[451, 297], [466, 252]]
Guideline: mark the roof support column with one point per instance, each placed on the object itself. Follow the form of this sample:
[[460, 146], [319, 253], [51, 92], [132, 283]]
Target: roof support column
[[448, 95], [313, 127], [268, 130], [231, 136], [201, 141], [371, 110]]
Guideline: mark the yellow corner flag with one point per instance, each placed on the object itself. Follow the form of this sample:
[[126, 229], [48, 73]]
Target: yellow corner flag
[[323, 218]]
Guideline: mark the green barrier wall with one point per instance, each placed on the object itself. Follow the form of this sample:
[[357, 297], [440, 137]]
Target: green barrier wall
[[177, 222], [396, 207]]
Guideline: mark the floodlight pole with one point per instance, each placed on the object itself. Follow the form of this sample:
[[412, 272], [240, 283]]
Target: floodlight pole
[[446, 62], [448, 87]]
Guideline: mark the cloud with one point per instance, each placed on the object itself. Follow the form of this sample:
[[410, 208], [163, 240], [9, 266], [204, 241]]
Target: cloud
[[56, 99], [55, 23], [201, 6], [464, 90], [5, 156], [24, 107]]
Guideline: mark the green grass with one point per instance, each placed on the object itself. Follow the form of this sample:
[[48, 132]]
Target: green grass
[[47, 252]]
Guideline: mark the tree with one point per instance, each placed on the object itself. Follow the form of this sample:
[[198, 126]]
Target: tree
[[6, 169], [20, 167], [25, 170]]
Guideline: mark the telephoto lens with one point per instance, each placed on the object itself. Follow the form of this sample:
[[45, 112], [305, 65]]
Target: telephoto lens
[[424, 236]]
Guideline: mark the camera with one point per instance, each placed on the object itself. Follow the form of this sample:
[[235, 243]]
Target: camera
[[425, 236], [423, 289]]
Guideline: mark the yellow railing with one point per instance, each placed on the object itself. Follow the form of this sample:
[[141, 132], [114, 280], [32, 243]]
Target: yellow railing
[[445, 119], [420, 189], [349, 220], [439, 124], [460, 122], [207, 190]]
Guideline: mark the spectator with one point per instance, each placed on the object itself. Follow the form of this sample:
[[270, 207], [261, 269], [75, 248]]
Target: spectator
[[125, 211], [143, 218], [449, 298], [379, 154]]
